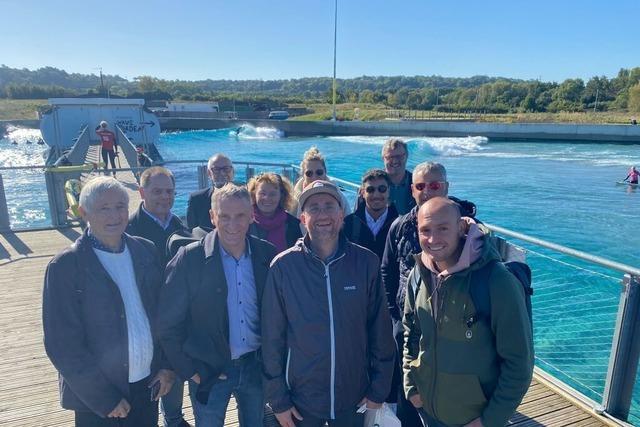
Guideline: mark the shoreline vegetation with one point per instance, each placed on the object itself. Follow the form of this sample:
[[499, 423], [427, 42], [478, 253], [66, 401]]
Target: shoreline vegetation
[[26, 109], [598, 100]]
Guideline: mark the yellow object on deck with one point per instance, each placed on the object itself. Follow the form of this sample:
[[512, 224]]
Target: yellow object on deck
[[72, 192]]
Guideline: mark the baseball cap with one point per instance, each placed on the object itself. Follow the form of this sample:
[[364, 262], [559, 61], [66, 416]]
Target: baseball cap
[[319, 187]]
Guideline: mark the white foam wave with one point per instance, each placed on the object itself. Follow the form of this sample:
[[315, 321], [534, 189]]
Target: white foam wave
[[247, 131], [22, 135], [446, 146]]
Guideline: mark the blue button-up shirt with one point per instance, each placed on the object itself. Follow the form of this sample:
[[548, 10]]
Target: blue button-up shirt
[[242, 303]]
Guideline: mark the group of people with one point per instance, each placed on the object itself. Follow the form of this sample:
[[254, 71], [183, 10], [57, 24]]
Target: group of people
[[281, 295]]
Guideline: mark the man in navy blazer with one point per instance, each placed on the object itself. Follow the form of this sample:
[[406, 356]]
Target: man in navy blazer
[[220, 170], [210, 305]]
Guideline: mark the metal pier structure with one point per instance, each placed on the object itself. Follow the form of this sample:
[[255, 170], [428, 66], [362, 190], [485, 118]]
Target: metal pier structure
[[29, 394]]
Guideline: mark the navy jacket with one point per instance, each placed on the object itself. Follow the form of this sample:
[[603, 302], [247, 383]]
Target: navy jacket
[[357, 231], [141, 224], [198, 208], [194, 325], [85, 328]]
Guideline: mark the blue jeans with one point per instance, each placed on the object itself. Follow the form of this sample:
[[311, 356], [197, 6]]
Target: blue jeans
[[244, 381], [171, 405]]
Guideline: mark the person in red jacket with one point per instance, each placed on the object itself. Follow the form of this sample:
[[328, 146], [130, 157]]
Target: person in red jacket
[[108, 144]]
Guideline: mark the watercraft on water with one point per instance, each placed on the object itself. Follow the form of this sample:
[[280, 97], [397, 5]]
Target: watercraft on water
[[632, 185]]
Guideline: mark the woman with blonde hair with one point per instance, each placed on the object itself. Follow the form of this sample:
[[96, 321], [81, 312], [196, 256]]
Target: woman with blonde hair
[[314, 168], [271, 197]]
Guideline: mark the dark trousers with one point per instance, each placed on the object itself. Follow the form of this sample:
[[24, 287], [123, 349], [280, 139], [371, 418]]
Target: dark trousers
[[111, 156], [406, 412], [429, 421], [343, 419], [144, 411]]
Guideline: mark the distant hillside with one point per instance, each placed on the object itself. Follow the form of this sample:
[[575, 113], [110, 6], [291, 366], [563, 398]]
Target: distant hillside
[[477, 93]]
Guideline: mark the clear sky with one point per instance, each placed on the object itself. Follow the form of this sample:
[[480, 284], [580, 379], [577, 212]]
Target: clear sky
[[279, 39]]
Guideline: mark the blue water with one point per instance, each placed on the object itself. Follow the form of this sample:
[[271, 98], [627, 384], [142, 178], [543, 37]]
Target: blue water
[[561, 192]]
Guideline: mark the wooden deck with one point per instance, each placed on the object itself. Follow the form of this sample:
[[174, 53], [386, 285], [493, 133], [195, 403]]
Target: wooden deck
[[29, 392]]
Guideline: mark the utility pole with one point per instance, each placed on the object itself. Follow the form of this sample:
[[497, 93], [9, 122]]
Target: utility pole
[[595, 105], [101, 82], [335, 37]]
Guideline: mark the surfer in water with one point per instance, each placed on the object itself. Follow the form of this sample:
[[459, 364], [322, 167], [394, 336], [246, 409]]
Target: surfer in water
[[633, 175]]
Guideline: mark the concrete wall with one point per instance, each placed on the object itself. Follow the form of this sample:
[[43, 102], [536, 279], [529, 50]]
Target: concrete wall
[[511, 131]]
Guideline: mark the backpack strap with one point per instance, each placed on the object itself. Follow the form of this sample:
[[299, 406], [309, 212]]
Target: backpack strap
[[479, 290]]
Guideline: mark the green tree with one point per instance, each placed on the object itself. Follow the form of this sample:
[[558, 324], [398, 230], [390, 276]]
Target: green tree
[[634, 98]]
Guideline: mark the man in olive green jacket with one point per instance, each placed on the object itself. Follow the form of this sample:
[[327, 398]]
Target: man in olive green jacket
[[460, 370]]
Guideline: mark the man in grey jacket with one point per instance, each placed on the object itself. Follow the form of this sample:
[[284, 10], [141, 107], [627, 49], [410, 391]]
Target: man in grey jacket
[[325, 290]]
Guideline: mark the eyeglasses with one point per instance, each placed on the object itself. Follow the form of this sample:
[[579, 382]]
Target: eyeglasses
[[318, 172], [328, 210], [381, 189], [397, 157], [433, 185], [223, 169]]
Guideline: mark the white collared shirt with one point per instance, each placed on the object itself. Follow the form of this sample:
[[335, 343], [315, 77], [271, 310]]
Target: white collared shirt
[[375, 225]]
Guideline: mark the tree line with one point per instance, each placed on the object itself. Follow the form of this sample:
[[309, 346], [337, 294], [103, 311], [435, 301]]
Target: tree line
[[478, 93]]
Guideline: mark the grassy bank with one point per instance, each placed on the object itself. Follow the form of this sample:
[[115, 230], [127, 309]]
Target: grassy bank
[[18, 109]]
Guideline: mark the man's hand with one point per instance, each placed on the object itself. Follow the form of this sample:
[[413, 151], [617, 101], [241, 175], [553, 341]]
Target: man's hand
[[166, 378], [475, 423], [120, 411], [286, 418], [370, 404], [416, 400], [196, 378]]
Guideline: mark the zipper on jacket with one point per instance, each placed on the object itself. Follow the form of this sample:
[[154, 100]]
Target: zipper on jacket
[[435, 350], [333, 343], [286, 371]]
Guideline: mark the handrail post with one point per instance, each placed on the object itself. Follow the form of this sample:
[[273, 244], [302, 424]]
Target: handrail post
[[625, 351], [5, 225], [203, 177]]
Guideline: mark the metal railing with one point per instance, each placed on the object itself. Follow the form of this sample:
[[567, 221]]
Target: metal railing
[[616, 320]]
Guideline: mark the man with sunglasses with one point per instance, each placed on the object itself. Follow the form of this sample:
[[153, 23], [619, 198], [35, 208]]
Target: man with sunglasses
[[369, 225], [402, 244], [220, 170], [395, 156]]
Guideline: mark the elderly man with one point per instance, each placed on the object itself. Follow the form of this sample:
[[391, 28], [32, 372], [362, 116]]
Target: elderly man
[[98, 310], [395, 155], [220, 170], [482, 367], [429, 180], [154, 221], [369, 225], [210, 305], [326, 334]]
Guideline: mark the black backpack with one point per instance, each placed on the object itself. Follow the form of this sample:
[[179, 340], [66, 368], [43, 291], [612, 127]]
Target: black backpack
[[479, 287]]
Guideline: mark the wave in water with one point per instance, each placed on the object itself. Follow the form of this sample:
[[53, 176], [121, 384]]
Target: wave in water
[[250, 132], [427, 145], [17, 135]]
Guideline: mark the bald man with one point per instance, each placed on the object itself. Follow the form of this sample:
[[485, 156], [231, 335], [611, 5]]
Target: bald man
[[482, 367], [220, 171]]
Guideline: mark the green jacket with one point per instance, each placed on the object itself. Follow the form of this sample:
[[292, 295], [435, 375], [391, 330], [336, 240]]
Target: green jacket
[[464, 369]]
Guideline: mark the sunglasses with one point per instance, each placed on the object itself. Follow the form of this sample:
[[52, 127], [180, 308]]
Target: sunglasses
[[223, 169], [381, 189], [433, 185], [318, 172]]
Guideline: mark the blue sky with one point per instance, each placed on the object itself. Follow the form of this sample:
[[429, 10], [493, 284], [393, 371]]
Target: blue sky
[[278, 39]]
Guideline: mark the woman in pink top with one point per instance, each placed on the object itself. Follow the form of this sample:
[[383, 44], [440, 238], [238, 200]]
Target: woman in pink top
[[633, 175]]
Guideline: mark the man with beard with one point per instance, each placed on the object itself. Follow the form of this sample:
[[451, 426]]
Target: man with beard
[[326, 334]]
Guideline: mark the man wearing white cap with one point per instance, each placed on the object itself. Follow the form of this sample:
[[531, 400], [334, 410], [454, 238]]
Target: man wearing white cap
[[327, 345], [108, 144]]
